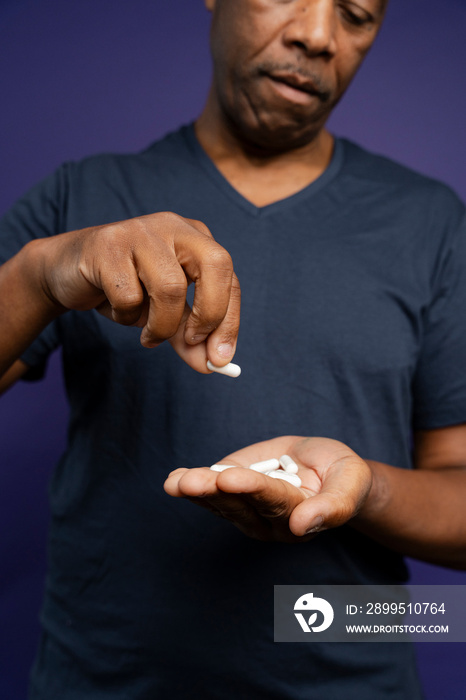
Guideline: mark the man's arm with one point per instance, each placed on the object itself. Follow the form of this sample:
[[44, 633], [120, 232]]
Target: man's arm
[[419, 513], [25, 310], [422, 513], [135, 272]]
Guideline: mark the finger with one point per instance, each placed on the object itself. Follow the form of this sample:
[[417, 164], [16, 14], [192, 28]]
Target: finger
[[212, 274], [123, 291], [210, 267], [221, 343], [171, 484], [272, 499], [344, 490], [194, 482], [267, 504], [203, 487], [200, 485], [166, 287], [194, 355], [197, 482], [219, 347]]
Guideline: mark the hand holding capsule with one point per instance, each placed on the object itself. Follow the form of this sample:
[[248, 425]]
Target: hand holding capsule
[[136, 272], [335, 485]]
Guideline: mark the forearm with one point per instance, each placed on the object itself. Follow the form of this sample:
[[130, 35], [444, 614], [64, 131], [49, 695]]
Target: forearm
[[25, 308], [420, 513]]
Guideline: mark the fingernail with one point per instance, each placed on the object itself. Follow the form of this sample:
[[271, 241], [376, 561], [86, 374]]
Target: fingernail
[[315, 525], [225, 350]]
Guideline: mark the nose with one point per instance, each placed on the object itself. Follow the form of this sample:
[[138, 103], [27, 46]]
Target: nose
[[311, 27]]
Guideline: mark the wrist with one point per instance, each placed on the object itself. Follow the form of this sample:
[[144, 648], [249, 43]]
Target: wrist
[[35, 261], [378, 495]]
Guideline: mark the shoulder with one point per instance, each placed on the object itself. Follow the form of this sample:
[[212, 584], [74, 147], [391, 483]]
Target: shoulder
[[400, 185], [107, 166]]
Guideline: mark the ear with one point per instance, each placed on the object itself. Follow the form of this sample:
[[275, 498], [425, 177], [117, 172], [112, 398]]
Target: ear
[[210, 5]]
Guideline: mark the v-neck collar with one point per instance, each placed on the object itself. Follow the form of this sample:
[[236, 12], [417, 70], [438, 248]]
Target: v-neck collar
[[220, 180]]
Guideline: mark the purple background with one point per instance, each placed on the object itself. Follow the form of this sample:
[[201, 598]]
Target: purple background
[[82, 76]]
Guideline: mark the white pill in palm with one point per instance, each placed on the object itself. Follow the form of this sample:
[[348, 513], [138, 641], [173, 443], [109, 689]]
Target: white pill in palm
[[284, 476], [222, 467], [265, 466], [229, 370], [288, 464]]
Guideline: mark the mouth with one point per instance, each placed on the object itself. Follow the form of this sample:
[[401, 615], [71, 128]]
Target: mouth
[[296, 82]]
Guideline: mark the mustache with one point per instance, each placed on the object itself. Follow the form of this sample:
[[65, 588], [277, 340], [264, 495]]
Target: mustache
[[319, 86]]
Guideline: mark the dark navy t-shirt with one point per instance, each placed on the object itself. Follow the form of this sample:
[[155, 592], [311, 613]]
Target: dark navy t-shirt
[[352, 327]]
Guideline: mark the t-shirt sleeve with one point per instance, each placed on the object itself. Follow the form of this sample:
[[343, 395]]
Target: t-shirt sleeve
[[36, 215], [439, 388]]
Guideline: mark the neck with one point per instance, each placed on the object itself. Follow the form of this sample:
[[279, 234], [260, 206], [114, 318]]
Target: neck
[[261, 175]]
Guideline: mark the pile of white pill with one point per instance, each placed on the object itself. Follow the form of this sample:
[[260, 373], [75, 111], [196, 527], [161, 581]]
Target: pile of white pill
[[284, 468]]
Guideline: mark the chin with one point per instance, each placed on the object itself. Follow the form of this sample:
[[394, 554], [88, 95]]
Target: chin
[[278, 137], [276, 127]]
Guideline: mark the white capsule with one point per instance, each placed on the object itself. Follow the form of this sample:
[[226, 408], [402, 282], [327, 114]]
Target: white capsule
[[284, 476], [288, 464], [230, 370], [222, 467], [266, 466]]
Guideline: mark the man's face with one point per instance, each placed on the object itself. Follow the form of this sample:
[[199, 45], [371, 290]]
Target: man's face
[[280, 66]]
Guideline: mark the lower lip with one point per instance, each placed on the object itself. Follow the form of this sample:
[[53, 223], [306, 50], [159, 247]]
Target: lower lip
[[290, 93]]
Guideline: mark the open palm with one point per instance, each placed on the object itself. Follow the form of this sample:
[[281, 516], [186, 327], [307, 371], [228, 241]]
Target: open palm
[[335, 484]]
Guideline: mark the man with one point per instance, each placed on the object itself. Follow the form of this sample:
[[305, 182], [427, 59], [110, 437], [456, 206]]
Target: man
[[336, 333]]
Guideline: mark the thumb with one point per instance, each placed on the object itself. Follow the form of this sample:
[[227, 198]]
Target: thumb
[[219, 347], [343, 492]]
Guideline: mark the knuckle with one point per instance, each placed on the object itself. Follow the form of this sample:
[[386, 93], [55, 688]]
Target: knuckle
[[201, 227], [111, 234], [208, 321], [127, 307], [127, 302], [218, 258], [168, 218], [114, 246], [169, 224], [120, 285], [172, 290], [229, 329], [122, 237]]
